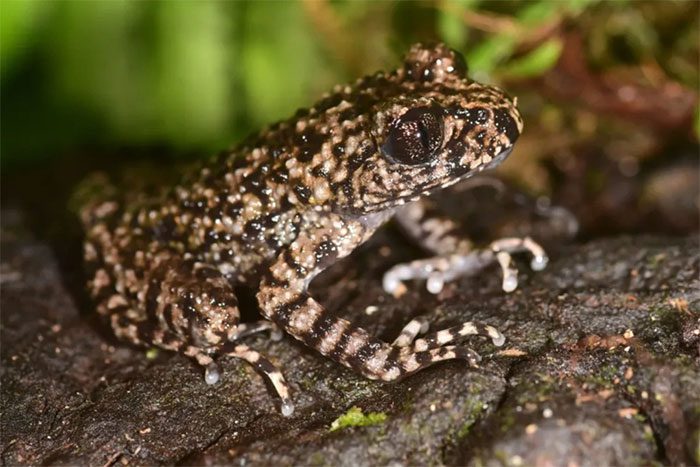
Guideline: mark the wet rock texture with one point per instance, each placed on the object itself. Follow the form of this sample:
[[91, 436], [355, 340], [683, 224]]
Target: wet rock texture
[[601, 367]]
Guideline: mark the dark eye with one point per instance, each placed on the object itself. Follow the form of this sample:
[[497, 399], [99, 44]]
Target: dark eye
[[415, 137]]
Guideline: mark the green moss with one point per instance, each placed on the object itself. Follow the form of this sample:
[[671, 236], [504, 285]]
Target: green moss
[[355, 417], [604, 376], [473, 413], [540, 388], [683, 361], [656, 260], [317, 458], [464, 429], [648, 434], [507, 422], [662, 313], [641, 418]]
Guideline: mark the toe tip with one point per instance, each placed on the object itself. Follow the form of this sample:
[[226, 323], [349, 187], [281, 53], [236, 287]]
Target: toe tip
[[287, 408]]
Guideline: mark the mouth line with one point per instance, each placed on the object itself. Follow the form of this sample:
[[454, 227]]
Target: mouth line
[[498, 159], [427, 190]]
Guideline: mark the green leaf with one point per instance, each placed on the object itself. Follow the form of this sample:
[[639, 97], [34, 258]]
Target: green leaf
[[535, 13], [536, 62], [488, 54]]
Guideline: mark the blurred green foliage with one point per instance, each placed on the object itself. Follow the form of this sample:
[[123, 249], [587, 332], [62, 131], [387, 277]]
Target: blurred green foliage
[[202, 74]]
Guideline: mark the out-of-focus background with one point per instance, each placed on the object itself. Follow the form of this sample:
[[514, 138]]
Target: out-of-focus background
[[609, 90]]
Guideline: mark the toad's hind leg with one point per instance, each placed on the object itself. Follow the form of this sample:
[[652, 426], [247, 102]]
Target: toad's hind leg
[[410, 331], [152, 296], [306, 320], [208, 315], [189, 307], [283, 298], [260, 363]]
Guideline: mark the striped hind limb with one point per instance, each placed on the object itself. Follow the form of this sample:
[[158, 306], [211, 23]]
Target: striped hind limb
[[206, 314], [306, 320], [411, 330], [188, 306], [258, 361], [419, 325], [283, 298]]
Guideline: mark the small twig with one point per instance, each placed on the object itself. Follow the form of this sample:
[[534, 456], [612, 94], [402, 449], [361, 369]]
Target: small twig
[[528, 38], [327, 22], [113, 459], [487, 22]]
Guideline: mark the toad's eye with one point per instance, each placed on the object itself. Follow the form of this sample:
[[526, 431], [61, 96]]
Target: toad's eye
[[415, 137]]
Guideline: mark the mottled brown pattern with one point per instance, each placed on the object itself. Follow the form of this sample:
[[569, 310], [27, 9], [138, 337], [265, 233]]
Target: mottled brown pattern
[[275, 211]]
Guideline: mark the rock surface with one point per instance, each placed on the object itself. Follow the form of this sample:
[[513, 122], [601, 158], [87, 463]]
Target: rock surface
[[601, 367]]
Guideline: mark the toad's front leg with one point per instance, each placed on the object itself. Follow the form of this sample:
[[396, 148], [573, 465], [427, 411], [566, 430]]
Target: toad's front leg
[[283, 298], [455, 256]]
